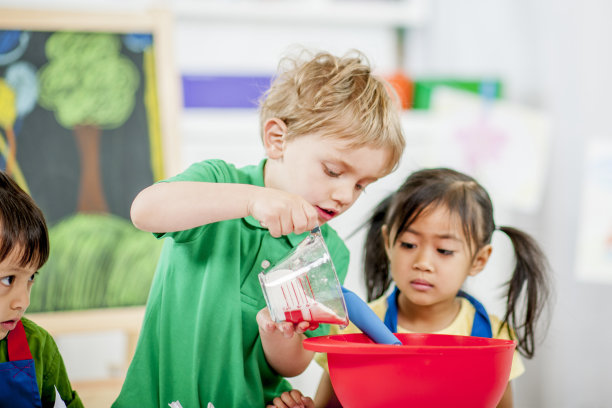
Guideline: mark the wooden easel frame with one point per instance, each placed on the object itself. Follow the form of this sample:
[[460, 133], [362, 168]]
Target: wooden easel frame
[[160, 24]]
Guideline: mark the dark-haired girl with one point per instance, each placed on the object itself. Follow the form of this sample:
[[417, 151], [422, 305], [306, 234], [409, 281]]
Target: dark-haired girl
[[427, 239]]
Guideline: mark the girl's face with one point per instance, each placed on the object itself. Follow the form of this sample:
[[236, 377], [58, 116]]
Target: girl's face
[[430, 260], [326, 172], [15, 285]]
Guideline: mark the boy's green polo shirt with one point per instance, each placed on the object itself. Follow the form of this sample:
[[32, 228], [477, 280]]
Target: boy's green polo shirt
[[200, 340], [48, 364]]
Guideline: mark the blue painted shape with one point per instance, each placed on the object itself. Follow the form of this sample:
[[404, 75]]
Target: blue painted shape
[[138, 42], [9, 40], [202, 91]]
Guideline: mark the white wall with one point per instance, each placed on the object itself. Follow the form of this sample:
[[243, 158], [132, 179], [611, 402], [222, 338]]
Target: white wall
[[552, 55]]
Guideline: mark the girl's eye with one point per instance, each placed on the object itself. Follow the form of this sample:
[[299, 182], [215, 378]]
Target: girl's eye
[[445, 251], [33, 276], [7, 280], [407, 245], [359, 187]]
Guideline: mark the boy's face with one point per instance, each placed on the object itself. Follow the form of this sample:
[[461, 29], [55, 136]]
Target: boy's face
[[15, 285], [324, 171]]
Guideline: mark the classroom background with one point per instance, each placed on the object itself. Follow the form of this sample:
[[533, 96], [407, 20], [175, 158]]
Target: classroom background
[[514, 92]]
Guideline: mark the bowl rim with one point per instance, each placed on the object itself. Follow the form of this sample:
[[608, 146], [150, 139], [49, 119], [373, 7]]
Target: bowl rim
[[342, 344]]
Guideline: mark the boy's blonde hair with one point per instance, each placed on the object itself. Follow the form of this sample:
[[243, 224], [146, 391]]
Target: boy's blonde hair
[[335, 97]]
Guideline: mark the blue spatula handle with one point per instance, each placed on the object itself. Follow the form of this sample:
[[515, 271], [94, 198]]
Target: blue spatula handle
[[366, 320]]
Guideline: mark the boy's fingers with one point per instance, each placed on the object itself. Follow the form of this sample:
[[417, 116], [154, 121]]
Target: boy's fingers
[[301, 327], [312, 217], [296, 395], [308, 402], [290, 401], [265, 321], [287, 329], [275, 229], [285, 222], [305, 219], [300, 223], [278, 403]]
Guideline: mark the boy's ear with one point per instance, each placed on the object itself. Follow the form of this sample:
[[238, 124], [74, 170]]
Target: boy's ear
[[481, 259], [274, 131]]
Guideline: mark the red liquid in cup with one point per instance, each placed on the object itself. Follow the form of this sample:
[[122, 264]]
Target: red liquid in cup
[[314, 312]]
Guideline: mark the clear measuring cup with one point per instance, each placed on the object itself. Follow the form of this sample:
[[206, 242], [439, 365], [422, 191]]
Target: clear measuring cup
[[304, 286]]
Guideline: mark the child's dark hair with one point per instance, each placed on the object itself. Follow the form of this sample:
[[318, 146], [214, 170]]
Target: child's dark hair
[[22, 225], [462, 195]]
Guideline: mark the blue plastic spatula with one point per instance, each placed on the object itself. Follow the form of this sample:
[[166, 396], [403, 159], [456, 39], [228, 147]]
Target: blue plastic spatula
[[366, 320]]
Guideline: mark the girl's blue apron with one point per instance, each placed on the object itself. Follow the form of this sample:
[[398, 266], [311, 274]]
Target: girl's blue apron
[[17, 376], [480, 328]]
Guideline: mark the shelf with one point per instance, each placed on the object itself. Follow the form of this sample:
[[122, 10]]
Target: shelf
[[241, 126], [382, 13]]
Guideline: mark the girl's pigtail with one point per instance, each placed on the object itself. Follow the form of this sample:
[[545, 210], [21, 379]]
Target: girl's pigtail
[[376, 265], [524, 307]]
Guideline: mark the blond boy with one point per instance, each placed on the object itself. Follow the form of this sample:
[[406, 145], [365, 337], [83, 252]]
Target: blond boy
[[329, 128]]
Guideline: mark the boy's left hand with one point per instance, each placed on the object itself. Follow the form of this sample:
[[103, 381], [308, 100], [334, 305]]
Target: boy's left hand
[[292, 399], [288, 329]]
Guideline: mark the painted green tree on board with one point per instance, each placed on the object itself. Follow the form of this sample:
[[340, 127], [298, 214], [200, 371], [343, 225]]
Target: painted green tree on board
[[90, 87]]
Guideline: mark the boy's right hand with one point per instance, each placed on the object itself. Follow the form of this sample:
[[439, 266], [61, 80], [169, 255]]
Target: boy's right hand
[[281, 212], [288, 329], [292, 399]]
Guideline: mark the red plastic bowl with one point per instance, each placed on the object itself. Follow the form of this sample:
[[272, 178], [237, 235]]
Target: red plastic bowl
[[427, 370]]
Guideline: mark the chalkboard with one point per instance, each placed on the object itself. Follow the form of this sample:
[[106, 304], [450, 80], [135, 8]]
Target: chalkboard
[[83, 129]]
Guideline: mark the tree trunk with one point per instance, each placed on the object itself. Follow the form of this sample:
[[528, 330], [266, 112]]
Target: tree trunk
[[91, 194], [12, 151]]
